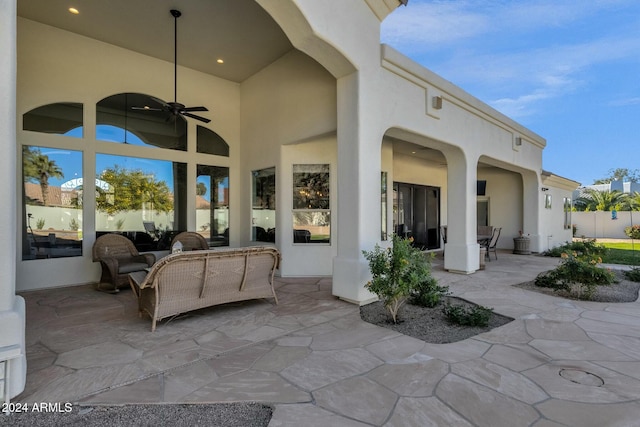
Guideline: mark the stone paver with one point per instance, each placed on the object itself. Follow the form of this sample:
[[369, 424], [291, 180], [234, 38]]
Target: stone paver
[[367, 401], [482, 405], [559, 363], [429, 412], [411, 379]]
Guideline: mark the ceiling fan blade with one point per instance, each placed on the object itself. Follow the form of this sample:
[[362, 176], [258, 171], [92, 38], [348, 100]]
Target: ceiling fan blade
[[193, 116], [195, 109]]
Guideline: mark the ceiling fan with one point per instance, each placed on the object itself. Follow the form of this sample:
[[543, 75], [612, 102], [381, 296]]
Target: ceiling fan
[[175, 108]]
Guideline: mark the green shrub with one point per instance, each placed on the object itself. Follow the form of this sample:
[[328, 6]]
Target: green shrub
[[633, 231], [578, 274], [476, 315], [633, 274], [427, 293], [73, 224], [549, 280], [40, 224], [584, 247], [396, 273]]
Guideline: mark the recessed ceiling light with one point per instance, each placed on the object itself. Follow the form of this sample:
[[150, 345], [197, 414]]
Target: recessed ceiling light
[[413, 152], [74, 10], [220, 61]]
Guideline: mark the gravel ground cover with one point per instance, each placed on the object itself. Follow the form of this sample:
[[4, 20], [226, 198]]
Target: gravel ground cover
[[243, 414], [428, 324]]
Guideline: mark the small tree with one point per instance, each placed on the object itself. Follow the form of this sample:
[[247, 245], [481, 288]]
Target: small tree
[[130, 189], [397, 271]]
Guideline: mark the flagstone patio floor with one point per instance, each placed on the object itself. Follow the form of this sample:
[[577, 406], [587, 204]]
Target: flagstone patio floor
[[559, 363]]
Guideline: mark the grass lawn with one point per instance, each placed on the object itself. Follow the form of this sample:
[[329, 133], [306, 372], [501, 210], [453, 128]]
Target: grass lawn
[[622, 253]]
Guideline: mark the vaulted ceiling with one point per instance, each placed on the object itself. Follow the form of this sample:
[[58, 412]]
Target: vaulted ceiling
[[239, 32]]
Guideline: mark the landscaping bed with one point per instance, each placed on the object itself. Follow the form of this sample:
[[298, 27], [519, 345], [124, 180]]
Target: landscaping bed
[[622, 291], [428, 324]]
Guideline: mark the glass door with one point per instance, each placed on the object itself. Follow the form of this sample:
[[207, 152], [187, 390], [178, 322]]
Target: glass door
[[416, 213]]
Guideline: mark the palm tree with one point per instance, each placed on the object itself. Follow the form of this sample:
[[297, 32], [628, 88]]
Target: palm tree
[[37, 166], [595, 200], [633, 201]]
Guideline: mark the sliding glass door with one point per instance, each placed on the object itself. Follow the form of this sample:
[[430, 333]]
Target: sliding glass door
[[416, 213]]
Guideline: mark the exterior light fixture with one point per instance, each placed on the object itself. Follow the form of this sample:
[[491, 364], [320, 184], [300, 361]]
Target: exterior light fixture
[[436, 102], [544, 189], [518, 141]]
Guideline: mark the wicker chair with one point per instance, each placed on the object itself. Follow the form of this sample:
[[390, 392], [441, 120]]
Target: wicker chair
[[118, 257], [191, 241]]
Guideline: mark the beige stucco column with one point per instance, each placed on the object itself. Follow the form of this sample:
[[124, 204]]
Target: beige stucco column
[[532, 203], [462, 249], [12, 307], [358, 210]]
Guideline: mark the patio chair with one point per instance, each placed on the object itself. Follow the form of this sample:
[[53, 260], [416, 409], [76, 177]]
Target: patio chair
[[118, 257], [493, 243], [191, 241], [150, 228]]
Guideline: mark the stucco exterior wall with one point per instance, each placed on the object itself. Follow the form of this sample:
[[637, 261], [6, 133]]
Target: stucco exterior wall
[[306, 259], [504, 193], [12, 306], [292, 101]]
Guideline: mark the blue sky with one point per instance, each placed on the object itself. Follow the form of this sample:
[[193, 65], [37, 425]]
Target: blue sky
[[569, 70]]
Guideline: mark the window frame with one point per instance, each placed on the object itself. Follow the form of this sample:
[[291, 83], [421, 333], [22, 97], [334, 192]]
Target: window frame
[[318, 200]]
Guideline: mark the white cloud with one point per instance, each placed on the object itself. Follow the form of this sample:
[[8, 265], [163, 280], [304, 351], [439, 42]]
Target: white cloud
[[507, 49], [425, 25], [429, 24], [528, 77]]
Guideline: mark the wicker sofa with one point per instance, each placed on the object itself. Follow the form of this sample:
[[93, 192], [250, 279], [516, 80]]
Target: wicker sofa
[[188, 281]]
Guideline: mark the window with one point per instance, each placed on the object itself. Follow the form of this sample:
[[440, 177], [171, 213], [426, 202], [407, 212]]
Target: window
[[144, 199], [311, 210], [52, 196], [138, 119], [547, 201], [140, 198], [212, 204], [60, 118], [210, 142], [567, 212], [263, 216]]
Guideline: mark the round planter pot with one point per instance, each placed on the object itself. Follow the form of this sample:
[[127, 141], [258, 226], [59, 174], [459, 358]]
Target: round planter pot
[[521, 245]]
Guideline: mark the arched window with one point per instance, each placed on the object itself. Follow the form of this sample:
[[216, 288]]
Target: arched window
[[210, 142], [60, 118], [120, 117]]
